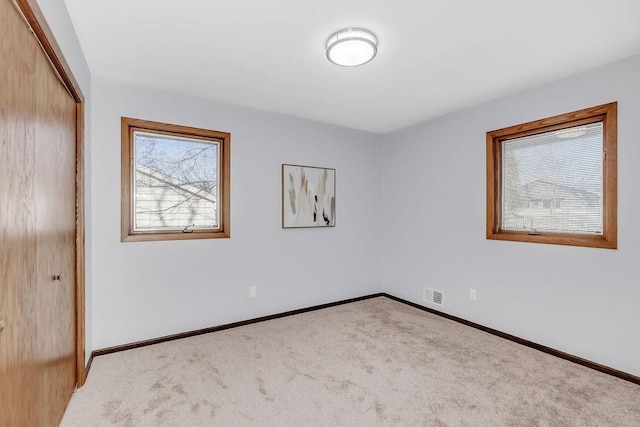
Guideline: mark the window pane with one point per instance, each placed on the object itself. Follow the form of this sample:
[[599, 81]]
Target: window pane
[[552, 182], [175, 182]]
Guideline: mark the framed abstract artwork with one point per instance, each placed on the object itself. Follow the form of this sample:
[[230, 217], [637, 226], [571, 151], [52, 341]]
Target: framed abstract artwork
[[308, 196]]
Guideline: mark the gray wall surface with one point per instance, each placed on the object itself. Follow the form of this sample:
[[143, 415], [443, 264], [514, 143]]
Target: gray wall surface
[[410, 214], [579, 300], [149, 289]]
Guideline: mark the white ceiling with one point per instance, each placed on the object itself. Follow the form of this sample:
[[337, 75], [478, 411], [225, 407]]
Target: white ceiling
[[434, 57]]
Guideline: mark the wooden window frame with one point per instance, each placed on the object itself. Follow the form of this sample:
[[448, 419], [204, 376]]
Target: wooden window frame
[[127, 232], [608, 115]]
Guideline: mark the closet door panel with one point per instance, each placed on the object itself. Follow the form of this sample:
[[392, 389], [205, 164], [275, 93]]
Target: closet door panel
[[18, 381], [55, 191], [37, 231]]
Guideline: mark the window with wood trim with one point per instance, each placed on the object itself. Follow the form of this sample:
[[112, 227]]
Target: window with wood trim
[[175, 182], [555, 180]]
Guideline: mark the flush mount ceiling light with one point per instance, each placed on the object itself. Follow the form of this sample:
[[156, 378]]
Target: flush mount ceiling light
[[352, 47]]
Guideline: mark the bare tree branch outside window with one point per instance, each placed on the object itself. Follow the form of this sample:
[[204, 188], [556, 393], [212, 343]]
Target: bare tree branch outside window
[[175, 182]]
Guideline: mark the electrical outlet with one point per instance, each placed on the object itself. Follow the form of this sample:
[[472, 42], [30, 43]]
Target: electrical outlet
[[252, 291], [472, 294]]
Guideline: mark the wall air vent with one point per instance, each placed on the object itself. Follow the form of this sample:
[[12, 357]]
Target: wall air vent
[[433, 296]]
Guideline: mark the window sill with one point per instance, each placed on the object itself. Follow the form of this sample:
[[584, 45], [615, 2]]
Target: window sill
[[566, 239], [173, 235]]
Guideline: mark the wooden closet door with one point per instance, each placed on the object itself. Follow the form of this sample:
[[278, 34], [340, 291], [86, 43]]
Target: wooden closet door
[[55, 202], [18, 379], [37, 232]]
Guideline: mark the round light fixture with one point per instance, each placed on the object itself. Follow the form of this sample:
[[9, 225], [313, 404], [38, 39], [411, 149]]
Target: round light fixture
[[352, 47]]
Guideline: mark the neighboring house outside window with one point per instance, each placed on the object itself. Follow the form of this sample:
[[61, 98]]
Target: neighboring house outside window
[[555, 180], [175, 182]]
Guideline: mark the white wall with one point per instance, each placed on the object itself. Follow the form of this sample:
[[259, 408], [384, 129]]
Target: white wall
[[143, 290], [57, 17], [578, 300], [430, 182]]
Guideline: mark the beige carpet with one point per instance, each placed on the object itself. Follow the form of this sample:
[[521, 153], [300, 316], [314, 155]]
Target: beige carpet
[[374, 362]]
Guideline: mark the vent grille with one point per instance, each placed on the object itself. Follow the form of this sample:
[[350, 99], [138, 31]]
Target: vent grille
[[434, 296]]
